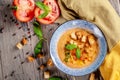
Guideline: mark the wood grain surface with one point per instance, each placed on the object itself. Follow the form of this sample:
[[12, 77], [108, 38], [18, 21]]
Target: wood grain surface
[[13, 64]]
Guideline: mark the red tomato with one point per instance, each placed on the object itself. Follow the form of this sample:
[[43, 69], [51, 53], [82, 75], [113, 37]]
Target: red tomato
[[73, 52], [25, 10], [52, 15]]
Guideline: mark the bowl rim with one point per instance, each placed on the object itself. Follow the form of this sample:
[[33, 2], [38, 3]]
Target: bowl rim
[[85, 25]]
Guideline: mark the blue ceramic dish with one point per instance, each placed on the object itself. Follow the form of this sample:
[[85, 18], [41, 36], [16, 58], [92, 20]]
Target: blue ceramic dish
[[84, 25]]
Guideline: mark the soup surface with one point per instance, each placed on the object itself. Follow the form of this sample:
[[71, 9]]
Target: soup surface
[[77, 48]]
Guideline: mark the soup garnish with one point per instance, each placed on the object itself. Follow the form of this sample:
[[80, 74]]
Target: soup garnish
[[77, 48]]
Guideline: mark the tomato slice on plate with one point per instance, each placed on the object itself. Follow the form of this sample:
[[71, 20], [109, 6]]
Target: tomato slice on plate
[[25, 10], [52, 15]]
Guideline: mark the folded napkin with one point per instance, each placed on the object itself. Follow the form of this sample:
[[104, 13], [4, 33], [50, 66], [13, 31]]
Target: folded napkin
[[101, 13]]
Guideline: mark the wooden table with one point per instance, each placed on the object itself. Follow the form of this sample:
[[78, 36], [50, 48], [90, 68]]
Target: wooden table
[[13, 64]]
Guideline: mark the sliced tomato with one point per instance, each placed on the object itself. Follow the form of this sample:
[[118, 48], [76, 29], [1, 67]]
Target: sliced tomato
[[52, 15], [25, 10]]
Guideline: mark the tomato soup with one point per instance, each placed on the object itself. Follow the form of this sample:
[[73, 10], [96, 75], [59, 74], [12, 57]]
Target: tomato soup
[[77, 48]]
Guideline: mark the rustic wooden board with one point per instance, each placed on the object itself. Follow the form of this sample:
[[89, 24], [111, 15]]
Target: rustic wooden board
[[13, 64]]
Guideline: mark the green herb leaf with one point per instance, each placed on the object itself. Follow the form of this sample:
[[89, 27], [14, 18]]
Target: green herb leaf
[[67, 56], [70, 46], [78, 53], [43, 15], [43, 7], [35, 23], [40, 5], [67, 53], [66, 60], [38, 47], [55, 78], [14, 7], [37, 30]]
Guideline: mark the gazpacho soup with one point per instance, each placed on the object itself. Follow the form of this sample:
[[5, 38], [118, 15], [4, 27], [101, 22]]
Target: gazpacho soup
[[77, 48]]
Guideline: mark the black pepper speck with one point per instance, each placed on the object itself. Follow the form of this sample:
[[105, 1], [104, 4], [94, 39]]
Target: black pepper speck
[[19, 27], [11, 17], [22, 62], [4, 20], [28, 32], [38, 68], [28, 29], [13, 20], [17, 24], [58, 24], [12, 73], [51, 29], [29, 36], [13, 34], [27, 53], [15, 57], [1, 30], [5, 76], [33, 34], [8, 5], [5, 15]]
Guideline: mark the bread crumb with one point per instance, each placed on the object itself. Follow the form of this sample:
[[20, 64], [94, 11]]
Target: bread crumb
[[50, 62], [46, 74], [30, 59], [24, 41], [42, 67], [19, 45], [40, 55]]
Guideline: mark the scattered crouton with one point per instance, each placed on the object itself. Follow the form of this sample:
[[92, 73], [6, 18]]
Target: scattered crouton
[[24, 41], [19, 45], [50, 62], [40, 55], [42, 67], [30, 59], [46, 74]]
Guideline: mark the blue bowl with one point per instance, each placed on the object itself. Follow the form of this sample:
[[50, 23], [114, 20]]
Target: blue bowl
[[84, 25]]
